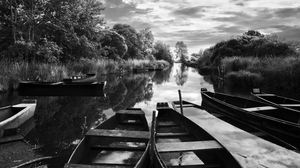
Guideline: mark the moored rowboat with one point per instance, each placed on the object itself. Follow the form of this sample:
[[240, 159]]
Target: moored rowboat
[[280, 122], [87, 78], [33, 88], [121, 142], [11, 117], [278, 101], [178, 142]]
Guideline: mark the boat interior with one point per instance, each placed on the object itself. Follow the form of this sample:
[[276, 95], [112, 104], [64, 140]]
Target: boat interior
[[258, 107], [119, 141], [6, 112], [180, 142]]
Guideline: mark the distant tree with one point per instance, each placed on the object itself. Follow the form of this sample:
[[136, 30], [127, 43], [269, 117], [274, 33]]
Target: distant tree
[[181, 51], [162, 52]]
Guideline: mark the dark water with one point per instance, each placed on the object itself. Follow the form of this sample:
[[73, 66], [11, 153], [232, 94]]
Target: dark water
[[60, 122]]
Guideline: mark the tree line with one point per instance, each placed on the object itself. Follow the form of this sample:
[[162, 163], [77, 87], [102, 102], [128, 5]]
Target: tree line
[[55, 31]]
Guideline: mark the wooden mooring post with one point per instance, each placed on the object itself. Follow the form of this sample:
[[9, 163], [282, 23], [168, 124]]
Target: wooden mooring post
[[180, 102]]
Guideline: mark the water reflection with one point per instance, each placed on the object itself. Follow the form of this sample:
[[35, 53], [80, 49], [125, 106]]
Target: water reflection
[[181, 75]]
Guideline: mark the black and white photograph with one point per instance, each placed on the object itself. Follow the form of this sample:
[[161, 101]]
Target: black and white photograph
[[149, 84]]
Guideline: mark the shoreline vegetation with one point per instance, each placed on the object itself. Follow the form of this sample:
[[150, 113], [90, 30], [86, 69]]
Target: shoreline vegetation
[[253, 60], [50, 40], [13, 72]]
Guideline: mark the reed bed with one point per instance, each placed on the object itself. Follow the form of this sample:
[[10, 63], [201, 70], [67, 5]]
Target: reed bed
[[13, 72]]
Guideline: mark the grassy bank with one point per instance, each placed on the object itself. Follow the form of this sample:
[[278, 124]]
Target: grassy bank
[[276, 73], [13, 72]]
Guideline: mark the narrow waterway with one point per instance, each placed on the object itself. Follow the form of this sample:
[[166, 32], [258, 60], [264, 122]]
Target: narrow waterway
[[60, 122]]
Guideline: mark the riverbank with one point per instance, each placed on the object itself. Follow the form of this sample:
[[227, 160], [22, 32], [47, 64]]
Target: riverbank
[[13, 72], [276, 73]]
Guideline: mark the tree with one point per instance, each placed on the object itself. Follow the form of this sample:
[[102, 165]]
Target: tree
[[181, 51], [162, 52], [132, 40], [147, 40]]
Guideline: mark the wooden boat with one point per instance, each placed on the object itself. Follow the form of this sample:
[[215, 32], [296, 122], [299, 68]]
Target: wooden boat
[[88, 78], [120, 142], [178, 142], [33, 88], [282, 123], [12, 117], [278, 101]]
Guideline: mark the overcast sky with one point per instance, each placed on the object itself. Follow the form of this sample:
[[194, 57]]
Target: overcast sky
[[202, 23]]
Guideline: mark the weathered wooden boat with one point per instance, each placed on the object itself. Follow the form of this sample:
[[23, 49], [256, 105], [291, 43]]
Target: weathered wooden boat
[[87, 78], [178, 142], [282, 123], [33, 88], [12, 117], [119, 142], [278, 101]]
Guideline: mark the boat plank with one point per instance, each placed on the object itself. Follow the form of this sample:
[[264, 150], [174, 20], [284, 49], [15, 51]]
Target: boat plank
[[144, 135], [290, 105], [262, 108], [197, 166], [95, 166], [120, 146], [167, 124], [170, 134], [131, 112], [188, 146]]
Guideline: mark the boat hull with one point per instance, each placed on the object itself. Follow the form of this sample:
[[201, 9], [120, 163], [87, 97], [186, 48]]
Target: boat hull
[[60, 89], [105, 156], [25, 112], [175, 137], [279, 128]]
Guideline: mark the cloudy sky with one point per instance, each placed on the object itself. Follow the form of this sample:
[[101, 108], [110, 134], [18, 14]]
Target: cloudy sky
[[202, 23]]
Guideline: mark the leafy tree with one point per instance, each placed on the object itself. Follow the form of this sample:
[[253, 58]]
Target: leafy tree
[[181, 51], [162, 52], [132, 40]]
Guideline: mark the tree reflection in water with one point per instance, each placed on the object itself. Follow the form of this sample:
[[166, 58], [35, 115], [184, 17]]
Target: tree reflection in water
[[181, 75], [62, 121]]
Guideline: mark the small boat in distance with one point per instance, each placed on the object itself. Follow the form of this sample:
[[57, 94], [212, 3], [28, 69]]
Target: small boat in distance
[[278, 101], [33, 88], [176, 141], [280, 122], [87, 78], [11, 117], [121, 141]]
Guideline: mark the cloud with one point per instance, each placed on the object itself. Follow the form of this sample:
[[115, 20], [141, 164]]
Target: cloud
[[196, 11], [203, 23]]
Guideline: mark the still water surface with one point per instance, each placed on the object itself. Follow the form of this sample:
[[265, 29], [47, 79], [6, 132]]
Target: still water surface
[[60, 122]]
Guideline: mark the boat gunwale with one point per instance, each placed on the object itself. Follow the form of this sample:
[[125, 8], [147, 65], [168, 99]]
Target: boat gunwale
[[256, 114]]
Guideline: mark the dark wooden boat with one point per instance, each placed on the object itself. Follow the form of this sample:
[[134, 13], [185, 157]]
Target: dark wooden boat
[[12, 117], [33, 88], [119, 142], [282, 123], [278, 101], [87, 78], [178, 142]]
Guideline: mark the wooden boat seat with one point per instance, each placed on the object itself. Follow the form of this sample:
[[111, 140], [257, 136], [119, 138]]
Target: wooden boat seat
[[131, 112], [290, 105], [170, 134], [124, 134], [188, 146], [167, 124], [197, 166], [262, 108], [96, 166], [121, 146]]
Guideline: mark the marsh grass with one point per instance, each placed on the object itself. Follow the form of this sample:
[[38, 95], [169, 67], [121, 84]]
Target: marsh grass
[[13, 72], [275, 72]]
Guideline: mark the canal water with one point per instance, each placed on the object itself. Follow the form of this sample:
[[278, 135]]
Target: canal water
[[60, 122]]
